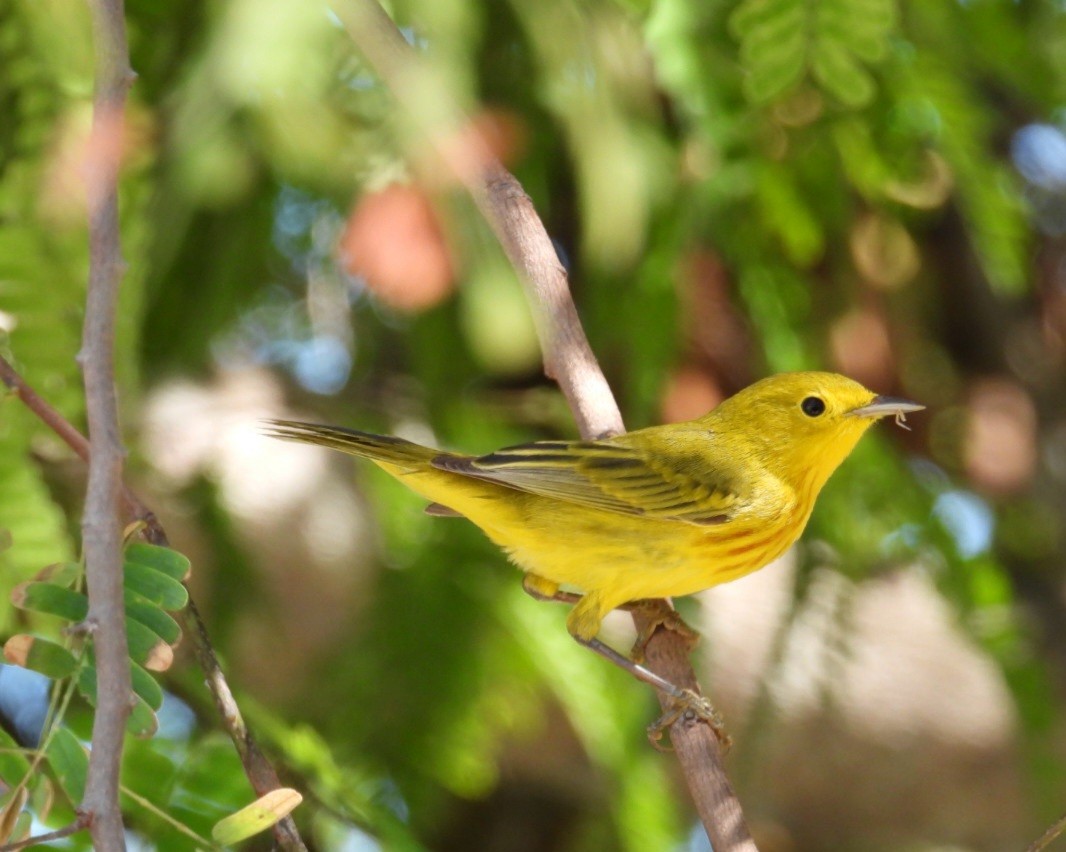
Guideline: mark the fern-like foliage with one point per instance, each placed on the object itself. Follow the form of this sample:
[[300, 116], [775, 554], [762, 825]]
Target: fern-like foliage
[[783, 42], [153, 579]]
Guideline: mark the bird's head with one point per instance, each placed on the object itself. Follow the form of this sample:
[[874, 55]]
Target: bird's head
[[803, 425]]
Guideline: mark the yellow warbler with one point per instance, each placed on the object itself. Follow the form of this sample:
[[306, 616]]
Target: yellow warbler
[[668, 510]]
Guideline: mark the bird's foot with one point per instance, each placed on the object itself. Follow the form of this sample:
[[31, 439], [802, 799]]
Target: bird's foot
[[542, 589], [690, 707], [659, 613]]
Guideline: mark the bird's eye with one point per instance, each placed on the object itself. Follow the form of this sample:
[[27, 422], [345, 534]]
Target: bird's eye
[[812, 406]]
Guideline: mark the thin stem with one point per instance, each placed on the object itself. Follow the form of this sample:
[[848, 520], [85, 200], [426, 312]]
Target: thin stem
[[101, 525], [56, 710], [66, 831], [132, 506], [177, 825], [260, 772], [1045, 839], [48, 415]]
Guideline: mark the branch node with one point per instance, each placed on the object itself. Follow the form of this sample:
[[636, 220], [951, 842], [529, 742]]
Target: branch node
[[506, 187], [82, 628]]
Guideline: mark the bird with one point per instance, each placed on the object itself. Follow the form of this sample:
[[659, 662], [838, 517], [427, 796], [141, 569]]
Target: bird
[[659, 512]]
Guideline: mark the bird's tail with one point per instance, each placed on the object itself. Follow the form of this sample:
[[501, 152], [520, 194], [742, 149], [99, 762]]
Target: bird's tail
[[392, 451]]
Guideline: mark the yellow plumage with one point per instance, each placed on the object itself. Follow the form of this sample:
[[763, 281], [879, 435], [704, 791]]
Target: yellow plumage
[[659, 512]]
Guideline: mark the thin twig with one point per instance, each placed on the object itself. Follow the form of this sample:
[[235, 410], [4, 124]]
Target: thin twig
[[1045, 839], [568, 358], [257, 768], [132, 507], [160, 814], [101, 524], [508, 210], [80, 824], [48, 415]]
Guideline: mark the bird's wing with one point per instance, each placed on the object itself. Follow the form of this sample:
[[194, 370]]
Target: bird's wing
[[605, 475]]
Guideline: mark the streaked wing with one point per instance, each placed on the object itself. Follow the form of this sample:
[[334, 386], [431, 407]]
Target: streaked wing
[[601, 475]]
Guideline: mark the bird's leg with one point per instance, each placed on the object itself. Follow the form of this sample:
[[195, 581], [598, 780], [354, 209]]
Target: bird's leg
[[542, 589], [583, 623], [658, 613], [686, 703]]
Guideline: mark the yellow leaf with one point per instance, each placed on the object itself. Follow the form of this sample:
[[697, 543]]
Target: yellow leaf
[[10, 814], [256, 817]]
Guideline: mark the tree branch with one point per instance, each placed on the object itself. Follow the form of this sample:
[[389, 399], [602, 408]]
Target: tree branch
[[45, 413], [568, 358], [257, 768], [79, 824], [101, 524], [1045, 839], [132, 507]]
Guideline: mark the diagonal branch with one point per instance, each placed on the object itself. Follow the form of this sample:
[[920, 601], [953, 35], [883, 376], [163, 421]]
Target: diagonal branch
[[1045, 839], [101, 524], [257, 768], [568, 358], [79, 824]]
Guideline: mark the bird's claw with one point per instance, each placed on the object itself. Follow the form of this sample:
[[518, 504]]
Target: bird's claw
[[690, 707]]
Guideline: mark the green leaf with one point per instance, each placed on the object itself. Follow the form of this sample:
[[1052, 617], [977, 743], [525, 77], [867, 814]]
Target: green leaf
[[863, 164], [784, 37], [787, 215], [59, 574], [40, 655], [52, 600], [780, 39], [754, 15], [146, 645], [772, 36], [770, 79], [870, 47], [256, 817], [848, 20], [142, 721], [40, 279], [881, 15], [146, 686], [13, 765], [840, 75], [70, 763], [164, 559], [36, 524], [147, 648], [152, 617], [155, 586]]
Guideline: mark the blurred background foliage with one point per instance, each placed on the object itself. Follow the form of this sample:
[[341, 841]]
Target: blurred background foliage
[[736, 188]]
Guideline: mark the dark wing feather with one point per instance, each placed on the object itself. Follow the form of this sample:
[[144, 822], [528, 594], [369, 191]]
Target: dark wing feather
[[605, 475]]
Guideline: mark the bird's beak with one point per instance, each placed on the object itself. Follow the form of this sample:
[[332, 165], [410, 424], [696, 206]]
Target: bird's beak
[[886, 406]]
